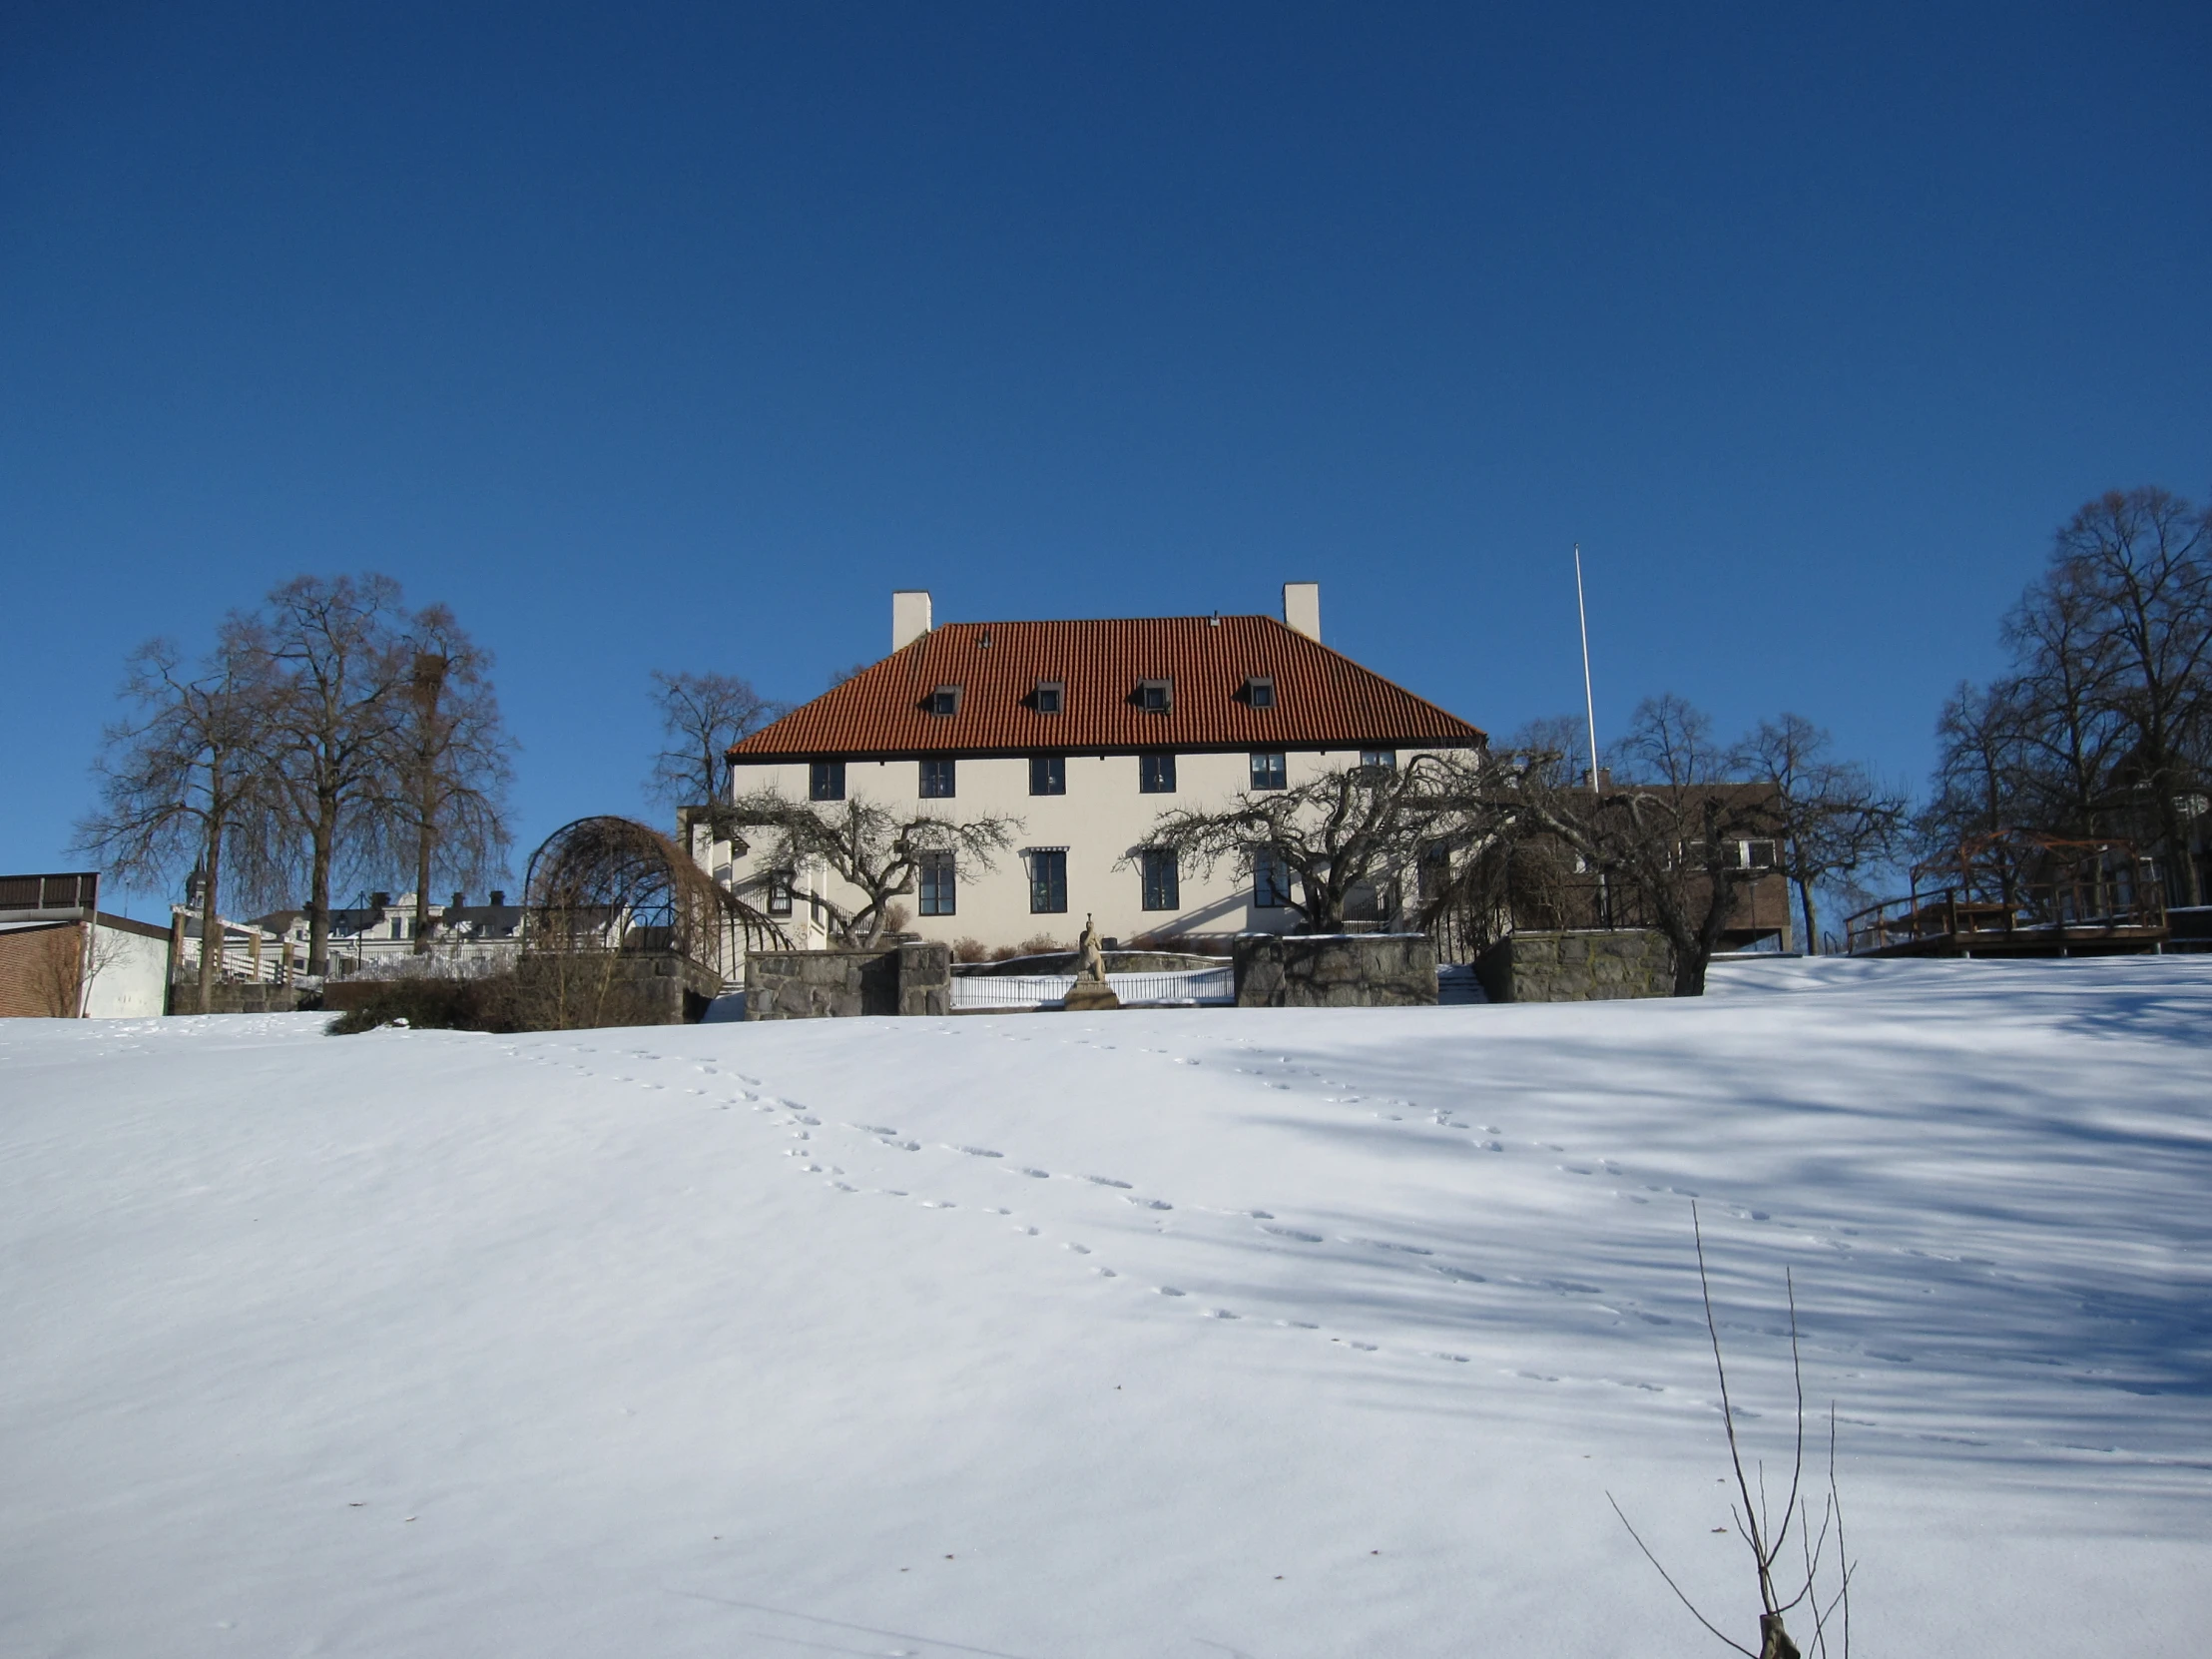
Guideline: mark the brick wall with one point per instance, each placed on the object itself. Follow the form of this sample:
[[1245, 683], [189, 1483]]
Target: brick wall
[[39, 971]]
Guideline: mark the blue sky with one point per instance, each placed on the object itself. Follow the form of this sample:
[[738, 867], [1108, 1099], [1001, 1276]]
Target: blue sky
[[677, 338]]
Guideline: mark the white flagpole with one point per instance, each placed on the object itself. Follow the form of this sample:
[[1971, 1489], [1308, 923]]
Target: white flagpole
[[1589, 704]]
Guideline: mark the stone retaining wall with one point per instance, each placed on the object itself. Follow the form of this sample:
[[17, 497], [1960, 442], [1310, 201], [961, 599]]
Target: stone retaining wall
[[910, 979], [1576, 967], [184, 998], [583, 989], [1337, 970]]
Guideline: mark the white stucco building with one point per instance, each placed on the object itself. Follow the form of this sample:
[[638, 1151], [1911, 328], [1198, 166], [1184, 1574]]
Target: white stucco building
[[1086, 732]]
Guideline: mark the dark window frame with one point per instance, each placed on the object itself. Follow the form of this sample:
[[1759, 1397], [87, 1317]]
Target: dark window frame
[[1161, 878], [1156, 696], [1271, 880], [1271, 770], [1370, 760], [944, 702], [1050, 696], [937, 883], [1048, 881], [939, 778], [1259, 690], [1156, 771], [825, 780], [780, 883], [1050, 771]]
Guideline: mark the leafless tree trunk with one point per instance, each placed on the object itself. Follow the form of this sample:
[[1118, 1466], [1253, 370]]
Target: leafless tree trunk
[[1348, 827], [339, 674], [448, 766], [186, 774], [701, 714], [871, 848], [1832, 818]]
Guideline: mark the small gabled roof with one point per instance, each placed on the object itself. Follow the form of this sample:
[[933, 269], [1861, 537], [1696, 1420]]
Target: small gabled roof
[[1323, 699]]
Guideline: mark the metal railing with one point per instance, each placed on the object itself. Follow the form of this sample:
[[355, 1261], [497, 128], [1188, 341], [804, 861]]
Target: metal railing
[[2053, 911]]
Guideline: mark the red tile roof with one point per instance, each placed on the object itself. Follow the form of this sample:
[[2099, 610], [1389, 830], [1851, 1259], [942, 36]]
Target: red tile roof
[[1323, 699]]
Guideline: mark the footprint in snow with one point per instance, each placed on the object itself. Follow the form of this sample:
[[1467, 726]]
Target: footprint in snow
[[1106, 1180], [1148, 1203], [976, 1151], [903, 1146], [1167, 1289], [1293, 1233], [1080, 1249], [937, 1204], [1037, 1174]]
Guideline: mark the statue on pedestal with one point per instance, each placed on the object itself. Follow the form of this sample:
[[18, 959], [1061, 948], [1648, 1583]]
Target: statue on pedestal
[[1090, 990]]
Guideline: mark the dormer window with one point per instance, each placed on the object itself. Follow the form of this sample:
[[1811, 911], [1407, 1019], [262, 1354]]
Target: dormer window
[[945, 701], [1156, 696], [1260, 691], [1050, 696]]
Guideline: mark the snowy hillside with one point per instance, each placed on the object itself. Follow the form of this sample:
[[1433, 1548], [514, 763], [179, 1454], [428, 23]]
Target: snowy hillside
[[1176, 1333]]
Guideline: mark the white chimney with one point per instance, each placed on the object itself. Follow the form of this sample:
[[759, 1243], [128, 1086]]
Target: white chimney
[[1302, 608], [910, 616]]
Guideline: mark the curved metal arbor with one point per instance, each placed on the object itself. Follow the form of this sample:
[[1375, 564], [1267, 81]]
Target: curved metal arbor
[[613, 884]]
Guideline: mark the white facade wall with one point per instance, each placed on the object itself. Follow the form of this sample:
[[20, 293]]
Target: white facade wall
[[1102, 819], [130, 976]]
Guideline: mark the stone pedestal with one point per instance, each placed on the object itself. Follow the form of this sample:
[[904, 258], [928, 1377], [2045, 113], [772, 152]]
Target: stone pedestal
[[1089, 995]]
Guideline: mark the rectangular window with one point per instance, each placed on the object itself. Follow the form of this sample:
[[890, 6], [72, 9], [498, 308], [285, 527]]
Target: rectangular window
[[1048, 880], [945, 699], [1386, 759], [826, 780], [1270, 881], [780, 892], [939, 883], [1049, 696], [1161, 889], [936, 779], [1267, 769], [1048, 774], [1156, 696], [1435, 870], [1259, 693], [1156, 773]]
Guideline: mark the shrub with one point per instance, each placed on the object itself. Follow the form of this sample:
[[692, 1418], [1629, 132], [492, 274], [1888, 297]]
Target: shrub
[[484, 1004]]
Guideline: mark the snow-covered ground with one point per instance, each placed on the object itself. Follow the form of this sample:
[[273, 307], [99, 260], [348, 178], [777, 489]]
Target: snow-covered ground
[[1169, 1332]]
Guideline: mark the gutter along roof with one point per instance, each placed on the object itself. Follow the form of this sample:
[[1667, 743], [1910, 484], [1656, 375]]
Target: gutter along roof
[[1323, 699]]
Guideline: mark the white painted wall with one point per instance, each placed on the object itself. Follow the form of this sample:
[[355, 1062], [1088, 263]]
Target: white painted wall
[[1101, 819], [130, 977]]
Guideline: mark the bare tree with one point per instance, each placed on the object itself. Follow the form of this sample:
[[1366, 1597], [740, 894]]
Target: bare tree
[[2103, 726], [1832, 818], [1346, 828], [2141, 562], [701, 714], [1658, 833], [871, 848], [185, 780], [1783, 1586], [340, 675], [449, 761]]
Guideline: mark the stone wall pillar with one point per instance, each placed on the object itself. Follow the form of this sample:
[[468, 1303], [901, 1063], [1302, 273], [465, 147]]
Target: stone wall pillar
[[1577, 965]]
